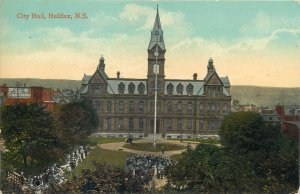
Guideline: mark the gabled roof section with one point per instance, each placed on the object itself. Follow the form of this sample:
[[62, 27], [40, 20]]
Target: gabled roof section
[[225, 81], [100, 74], [213, 79], [157, 34], [85, 79]]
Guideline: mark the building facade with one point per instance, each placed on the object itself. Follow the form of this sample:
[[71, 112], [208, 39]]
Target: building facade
[[183, 106], [290, 119], [20, 93]]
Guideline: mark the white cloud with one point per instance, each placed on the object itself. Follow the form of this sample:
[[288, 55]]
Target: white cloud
[[264, 23], [261, 43], [173, 21], [261, 23]]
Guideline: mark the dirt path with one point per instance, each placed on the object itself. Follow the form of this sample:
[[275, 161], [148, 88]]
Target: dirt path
[[119, 146]]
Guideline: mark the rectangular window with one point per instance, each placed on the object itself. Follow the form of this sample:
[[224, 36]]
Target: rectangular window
[[141, 106], [179, 107], [189, 124], [201, 108], [209, 125], [130, 123], [108, 106], [218, 108], [131, 106], [158, 107], [108, 122], [101, 123], [121, 106], [225, 109], [97, 88], [120, 124], [141, 123], [190, 107], [201, 124], [151, 106], [169, 124], [179, 124], [169, 108]]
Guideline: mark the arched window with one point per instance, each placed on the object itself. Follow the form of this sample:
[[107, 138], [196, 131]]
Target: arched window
[[141, 88], [121, 88], [131, 88], [179, 89], [170, 89], [190, 89]]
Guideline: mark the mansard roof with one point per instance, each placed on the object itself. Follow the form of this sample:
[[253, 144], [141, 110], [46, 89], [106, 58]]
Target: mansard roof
[[197, 85], [114, 83]]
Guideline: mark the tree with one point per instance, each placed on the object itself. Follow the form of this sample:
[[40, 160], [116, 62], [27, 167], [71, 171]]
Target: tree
[[245, 132], [209, 169], [28, 133], [273, 156], [75, 121], [104, 179], [254, 158]]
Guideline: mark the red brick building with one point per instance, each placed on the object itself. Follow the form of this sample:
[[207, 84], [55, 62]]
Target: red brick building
[[290, 119], [22, 94]]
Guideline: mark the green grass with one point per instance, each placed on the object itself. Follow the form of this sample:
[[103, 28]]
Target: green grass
[[176, 156], [99, 155], [205, 141], [149, 147], [93, 140]]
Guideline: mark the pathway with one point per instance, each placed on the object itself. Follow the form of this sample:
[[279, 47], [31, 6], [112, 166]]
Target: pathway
[[119, 146]]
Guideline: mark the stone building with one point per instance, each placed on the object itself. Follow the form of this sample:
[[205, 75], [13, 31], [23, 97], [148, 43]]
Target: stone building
[[184, 107]]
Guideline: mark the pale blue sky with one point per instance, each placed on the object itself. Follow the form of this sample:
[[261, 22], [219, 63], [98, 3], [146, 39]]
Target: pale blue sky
[[253, 42]]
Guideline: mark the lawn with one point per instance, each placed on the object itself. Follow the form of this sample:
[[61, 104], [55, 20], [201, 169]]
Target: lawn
[[176, 156], [159, 147], [94, 140], [99, 155], [205, 141]]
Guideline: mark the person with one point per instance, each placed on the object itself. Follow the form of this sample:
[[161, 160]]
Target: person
[[162, 150]]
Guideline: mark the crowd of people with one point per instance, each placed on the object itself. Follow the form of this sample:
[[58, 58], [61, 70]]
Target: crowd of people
[[55, 174], [146, 166]]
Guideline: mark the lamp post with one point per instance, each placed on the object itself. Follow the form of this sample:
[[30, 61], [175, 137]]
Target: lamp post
[[155, 71]]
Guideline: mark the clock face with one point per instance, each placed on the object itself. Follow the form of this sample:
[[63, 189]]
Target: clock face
[[19, 92]]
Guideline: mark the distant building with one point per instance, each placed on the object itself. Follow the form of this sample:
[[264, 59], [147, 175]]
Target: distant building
[[271, 116], [22, 94], [247, 107], [290, 119], [188, 106]]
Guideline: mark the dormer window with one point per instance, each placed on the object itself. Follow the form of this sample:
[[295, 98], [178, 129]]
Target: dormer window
[[141, 88], [190, 89], [121, 88], [179, 89], [131, 88], [170, 88]]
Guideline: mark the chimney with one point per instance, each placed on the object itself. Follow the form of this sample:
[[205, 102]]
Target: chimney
[[118, 74], [195, 76]]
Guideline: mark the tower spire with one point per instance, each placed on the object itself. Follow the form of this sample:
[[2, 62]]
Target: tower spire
[[157, 33]]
